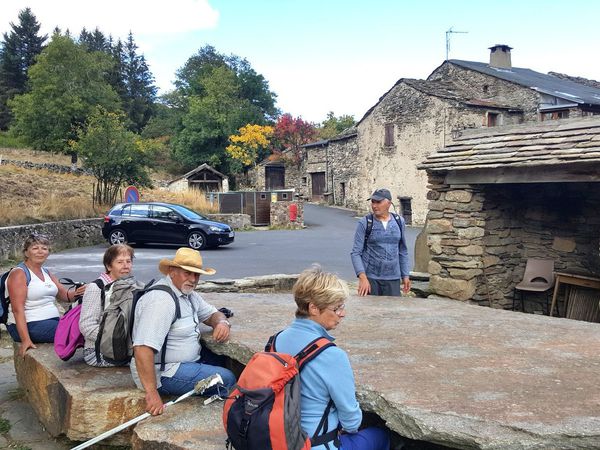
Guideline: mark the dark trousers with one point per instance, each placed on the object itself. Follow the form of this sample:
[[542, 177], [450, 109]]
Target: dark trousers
[[385, 287], [40, 331]]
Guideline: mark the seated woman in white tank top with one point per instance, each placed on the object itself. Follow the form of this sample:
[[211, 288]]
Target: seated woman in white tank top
[[33, 315]]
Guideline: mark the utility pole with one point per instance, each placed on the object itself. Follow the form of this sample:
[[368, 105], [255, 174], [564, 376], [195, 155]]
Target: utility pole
[[448, 34]]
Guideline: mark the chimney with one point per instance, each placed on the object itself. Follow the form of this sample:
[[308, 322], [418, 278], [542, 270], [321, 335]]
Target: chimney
[[500, 56]]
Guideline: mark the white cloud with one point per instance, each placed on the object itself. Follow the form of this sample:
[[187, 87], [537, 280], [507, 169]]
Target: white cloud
[[116, 17]]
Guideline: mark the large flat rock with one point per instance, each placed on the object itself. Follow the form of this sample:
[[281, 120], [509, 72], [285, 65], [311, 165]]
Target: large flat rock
[[188, 425], [73, 399], [454, 374]]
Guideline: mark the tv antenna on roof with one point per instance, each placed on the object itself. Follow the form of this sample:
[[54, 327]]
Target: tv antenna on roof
[[448, 34]]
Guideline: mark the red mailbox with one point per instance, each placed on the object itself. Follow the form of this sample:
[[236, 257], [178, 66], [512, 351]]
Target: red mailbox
[[293, 212]]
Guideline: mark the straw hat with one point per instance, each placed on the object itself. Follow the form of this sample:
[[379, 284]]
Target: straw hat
[[187, 259]]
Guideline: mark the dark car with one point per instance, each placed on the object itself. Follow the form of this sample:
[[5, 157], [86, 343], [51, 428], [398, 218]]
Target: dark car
[[165, 223]]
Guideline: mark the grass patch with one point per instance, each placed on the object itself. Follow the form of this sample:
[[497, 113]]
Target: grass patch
[[193, 199], [16, 394], [17, 446], [4, 426]]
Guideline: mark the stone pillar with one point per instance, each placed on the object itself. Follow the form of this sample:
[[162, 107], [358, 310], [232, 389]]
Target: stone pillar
[[455, 227]]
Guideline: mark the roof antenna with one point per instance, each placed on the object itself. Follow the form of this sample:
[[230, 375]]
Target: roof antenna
[[448, 34]]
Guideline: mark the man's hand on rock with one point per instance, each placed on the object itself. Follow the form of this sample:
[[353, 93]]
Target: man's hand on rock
[[221, 331], [154, 404]]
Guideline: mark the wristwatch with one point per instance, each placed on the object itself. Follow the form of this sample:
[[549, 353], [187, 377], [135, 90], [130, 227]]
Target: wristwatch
[[226, 322]]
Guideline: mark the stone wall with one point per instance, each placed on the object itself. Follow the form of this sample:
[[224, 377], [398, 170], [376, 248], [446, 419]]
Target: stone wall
[[67, 234], [480, 237], [46, 166], [235, 221], [280, 216], [343, 156]]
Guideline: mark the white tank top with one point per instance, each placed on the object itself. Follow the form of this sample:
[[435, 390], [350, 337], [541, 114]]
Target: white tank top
[[40, 302]]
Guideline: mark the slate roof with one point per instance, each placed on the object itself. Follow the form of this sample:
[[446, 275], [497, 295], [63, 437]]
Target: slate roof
[[549, 143], [548, 84]]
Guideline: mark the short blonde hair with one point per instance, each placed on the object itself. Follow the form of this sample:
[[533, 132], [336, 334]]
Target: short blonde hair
[[320, 288]]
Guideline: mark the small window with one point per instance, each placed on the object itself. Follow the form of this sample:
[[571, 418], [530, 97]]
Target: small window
[[263, 196], [486, 89], [389, 135], [555, 115], [284, 196], [304, 181], [493, 119]]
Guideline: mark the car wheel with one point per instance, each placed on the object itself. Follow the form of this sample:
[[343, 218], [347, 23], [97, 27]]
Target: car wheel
[[197, 240], [117, 237]]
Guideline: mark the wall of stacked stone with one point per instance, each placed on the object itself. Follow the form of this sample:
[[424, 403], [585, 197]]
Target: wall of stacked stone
[[455, 228], [280, 214], [47, 166], [235, 221], [66, 234], [480, 237]]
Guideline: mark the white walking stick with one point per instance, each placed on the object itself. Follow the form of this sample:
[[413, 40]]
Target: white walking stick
[[199, 388]]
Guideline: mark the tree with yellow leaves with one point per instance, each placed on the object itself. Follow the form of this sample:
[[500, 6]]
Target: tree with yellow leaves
[[246, 146]]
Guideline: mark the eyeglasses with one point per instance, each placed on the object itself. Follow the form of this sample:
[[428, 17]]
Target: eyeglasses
[[338, 309]]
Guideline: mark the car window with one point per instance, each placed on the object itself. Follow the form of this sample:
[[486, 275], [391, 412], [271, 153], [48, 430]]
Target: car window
[[116, 211], [162, 212], [136, 211], [188, 213]]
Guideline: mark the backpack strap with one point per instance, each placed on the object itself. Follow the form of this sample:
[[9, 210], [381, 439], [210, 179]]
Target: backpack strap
[[307, 354], [368, 230], [161, 287], [101, 285], [25, 269], [270, 347]]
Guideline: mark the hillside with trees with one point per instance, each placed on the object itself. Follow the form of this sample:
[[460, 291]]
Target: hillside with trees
[[94, 97]]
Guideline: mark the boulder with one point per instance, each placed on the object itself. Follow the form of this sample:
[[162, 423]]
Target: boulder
[[188, 425], [73, 399]]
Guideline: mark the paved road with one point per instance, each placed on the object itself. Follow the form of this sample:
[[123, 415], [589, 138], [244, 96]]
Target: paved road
[[326, 240]]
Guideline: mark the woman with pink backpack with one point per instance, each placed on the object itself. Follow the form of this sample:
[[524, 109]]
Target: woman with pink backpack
[[118, 262]]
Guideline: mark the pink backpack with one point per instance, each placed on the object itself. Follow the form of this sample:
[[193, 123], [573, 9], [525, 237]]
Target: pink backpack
[[68, 338]]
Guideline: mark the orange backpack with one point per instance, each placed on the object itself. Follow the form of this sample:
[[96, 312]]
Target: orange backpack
[[262, 412]]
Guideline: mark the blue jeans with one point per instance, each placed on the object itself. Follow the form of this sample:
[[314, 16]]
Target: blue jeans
[[189, 373], [40, 331], [371, 438]]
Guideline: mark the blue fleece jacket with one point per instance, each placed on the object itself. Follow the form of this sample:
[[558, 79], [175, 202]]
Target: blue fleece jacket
[[327, 376], [386, 254]]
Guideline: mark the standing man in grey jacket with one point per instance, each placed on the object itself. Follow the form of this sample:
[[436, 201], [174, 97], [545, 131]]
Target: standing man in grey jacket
[[379, 254]]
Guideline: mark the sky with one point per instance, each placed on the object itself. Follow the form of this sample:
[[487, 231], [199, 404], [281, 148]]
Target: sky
[[336, 55]]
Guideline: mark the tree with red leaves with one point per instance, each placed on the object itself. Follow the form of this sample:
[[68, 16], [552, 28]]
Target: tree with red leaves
[[290, 134]]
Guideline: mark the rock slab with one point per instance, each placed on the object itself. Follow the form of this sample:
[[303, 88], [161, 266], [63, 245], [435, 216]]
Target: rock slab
[[188, 425], [73, 399], [450, 373]]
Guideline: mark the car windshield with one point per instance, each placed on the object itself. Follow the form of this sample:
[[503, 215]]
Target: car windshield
[[187, 213]]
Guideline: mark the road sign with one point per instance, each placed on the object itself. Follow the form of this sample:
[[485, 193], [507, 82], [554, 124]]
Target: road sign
[[132, 195]]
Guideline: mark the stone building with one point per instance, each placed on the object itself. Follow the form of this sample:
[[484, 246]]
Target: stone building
[[502, 195], [203, 177], [417, 116]]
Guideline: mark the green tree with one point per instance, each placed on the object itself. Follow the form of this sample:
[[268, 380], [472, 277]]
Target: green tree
[[218, 94], [66, 84], [332, 126], [19, 49], [114, 154], [140, 92]]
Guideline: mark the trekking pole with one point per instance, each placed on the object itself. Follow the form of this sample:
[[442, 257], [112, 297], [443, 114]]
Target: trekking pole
[[199, 388]]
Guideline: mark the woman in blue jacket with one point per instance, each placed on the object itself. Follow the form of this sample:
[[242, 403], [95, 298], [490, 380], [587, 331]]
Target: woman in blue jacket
[[320, 304]]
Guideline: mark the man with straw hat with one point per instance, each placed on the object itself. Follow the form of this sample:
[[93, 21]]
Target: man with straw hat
[[157, 323]]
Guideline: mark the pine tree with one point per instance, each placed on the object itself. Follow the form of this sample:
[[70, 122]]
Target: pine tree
[[140, 92], [20, 47]]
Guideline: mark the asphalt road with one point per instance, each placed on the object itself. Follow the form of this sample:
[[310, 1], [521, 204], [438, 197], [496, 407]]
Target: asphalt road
[[327, 240]]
